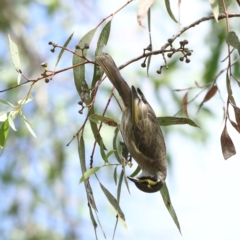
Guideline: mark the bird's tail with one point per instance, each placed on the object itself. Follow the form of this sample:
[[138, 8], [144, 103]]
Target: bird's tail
[[112, 72]]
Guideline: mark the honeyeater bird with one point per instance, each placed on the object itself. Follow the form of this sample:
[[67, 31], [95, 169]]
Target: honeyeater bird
[[140, 130]]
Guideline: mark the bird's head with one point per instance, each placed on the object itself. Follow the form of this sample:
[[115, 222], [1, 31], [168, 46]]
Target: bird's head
[[147, 184]]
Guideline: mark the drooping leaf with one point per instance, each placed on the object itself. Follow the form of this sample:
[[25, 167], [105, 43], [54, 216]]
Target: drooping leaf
[[88, 173], [124, 161], [109, 121], [150, 40], [233, 40], [11, 122], [3, 102], [95, 130], [120, 186], [137, 170], [221, 6], [142, 10], [235, 125], [28, 124], [227, 145], [115, 175], [3, 116], [102, 152], [102, 41], [166, 121], [237, 114], [115, 145], [79, 72], [109, 154], [3, 135], [167, 201], [167, 4], [81, 153], [14, 54], [94, 223], [229, 90], [63, 49], [210, 93], [184, 104], [215, 8], [113, 201]]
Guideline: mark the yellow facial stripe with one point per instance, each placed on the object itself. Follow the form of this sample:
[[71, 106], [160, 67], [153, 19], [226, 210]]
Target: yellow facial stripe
[[149, 181]]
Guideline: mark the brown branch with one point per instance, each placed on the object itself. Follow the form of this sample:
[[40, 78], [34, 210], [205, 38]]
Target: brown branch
[[163, 48]]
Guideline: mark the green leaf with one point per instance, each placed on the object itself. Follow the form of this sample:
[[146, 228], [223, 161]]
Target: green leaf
[[167, 201], [137, 170], [11, 122], [88, 173], [167, 4], [120, 186], [3, 102], [115, 145], [79, 72], [102, 41], [221, 6], [81, 153], [30, 129], [233, 40], [14, 54], [3, 116], [115, 175], [63, 49], [215, 8], [113, 201], [95, 129], [150, 40], [108, 121], [3, 135], [102, 152], [166, 121], [94, 223]]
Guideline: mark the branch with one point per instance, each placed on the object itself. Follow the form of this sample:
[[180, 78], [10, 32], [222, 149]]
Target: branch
[[163, 48]]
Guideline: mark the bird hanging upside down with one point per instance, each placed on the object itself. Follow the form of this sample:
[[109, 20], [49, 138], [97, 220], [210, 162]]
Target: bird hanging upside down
[[140, 130]]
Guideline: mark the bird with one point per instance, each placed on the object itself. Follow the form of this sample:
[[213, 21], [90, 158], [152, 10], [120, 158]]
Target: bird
[[140, 130]]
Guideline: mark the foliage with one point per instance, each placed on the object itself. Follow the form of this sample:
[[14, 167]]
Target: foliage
[[89, 91]]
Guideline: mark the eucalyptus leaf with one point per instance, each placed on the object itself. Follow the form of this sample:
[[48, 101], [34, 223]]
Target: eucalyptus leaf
[[166, 121]]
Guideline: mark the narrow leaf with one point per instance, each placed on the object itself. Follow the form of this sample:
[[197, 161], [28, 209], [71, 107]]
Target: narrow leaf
[[142, 10], [88, 173], [81, 152], [95, 130], [124, 161], [166, 121], [94, 223], [211, 92], [115, 145], [3, 102], [137, 170], [3, 116], [167, 4], [115, 175], [167, 201], [229, 89], [150, 41], [113, 201], [63, 49], [237, 114], [109, 153], [227, 145], [108, 121], [215, 8], [120, 186], [11, 122], [14, 54], [184, 104], [102, 41], [79, 72], [3, 134], [102, 152], [235, 125]]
